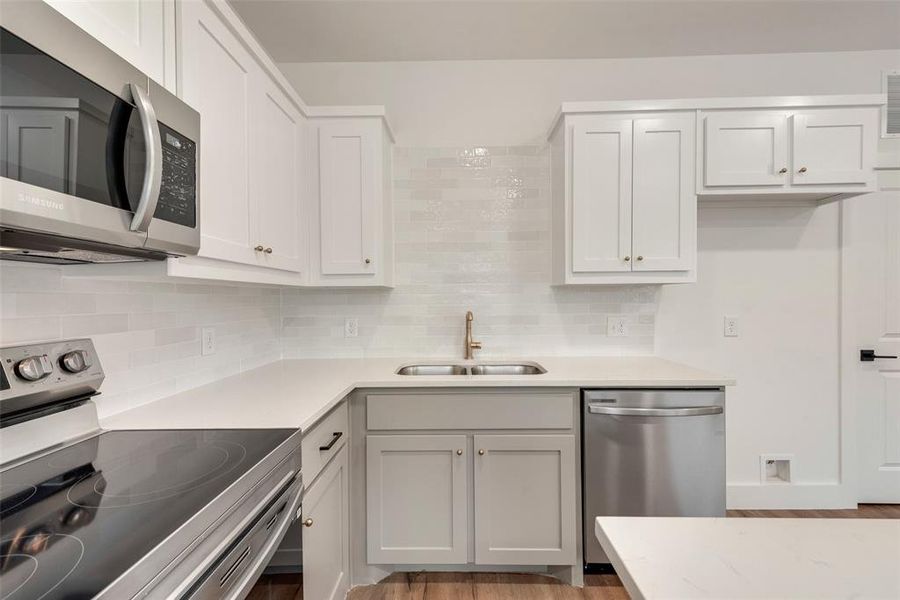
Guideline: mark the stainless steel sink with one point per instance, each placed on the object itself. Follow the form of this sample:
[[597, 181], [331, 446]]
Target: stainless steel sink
[[511, 369], [433, 370], [477, 369]]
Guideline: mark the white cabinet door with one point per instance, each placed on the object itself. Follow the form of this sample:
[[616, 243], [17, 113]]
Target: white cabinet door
[[745, 148], [664, 206], [326, 542], [140, 31], [601, 195], [525, 499], [416, 499], [218, 78], [275, 167], [349, 203], [834, 146]]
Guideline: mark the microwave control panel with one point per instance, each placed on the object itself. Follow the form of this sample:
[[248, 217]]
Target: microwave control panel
[[178, 190]]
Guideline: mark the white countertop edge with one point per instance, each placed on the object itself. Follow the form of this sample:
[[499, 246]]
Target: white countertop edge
[[634, 592]]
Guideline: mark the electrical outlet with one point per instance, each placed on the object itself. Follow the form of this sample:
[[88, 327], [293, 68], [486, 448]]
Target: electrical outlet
[[731, 327], [207, 341], [351, 327], [616, 327]]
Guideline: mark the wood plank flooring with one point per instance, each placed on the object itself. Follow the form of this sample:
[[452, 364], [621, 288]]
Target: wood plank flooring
[[519, 586]]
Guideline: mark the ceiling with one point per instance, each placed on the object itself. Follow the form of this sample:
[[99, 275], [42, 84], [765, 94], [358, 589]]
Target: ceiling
[[421, 30]]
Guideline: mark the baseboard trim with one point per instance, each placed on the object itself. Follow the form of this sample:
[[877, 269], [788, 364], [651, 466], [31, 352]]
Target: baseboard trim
[[789, 496]]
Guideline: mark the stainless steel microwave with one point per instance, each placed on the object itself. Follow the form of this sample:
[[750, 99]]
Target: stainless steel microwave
[[98, 163]]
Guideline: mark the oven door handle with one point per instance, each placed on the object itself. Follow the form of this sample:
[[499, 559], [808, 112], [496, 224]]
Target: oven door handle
[[692, 411], [146, 207]]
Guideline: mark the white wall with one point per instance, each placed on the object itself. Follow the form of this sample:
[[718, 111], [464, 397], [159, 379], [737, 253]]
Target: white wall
[[774, 267], [452, 103]]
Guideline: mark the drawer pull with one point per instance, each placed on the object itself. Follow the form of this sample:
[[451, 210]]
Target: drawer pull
[[231, 570], [334, 440]]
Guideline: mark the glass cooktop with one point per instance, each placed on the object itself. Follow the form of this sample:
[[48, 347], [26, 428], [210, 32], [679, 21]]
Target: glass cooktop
[[72, 521]]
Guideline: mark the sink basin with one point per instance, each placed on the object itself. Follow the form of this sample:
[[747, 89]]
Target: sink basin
[[433, 370], [511, 369], [477, 369]]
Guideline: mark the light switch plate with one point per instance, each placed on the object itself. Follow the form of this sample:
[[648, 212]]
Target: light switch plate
[[207, 341], [616, 327]]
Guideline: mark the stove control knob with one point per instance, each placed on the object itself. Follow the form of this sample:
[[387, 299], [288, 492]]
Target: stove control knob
[[34, 368], [75, 361]]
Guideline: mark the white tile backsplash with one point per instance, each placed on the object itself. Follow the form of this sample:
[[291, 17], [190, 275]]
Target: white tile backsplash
[[147, 334], [472, 230]]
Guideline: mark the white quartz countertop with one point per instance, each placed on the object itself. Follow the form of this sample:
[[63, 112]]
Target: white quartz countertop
[[680, 557], [297, 393]]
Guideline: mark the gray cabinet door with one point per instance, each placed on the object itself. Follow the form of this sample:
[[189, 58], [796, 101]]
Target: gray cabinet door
[[326, 542], [416, 499], [525, 499]]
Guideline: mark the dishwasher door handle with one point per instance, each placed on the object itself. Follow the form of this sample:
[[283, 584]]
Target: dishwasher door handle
[[620, 411]]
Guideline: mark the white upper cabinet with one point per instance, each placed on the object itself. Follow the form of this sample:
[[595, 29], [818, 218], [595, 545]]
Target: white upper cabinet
[[251, 154], [349, 201], [834, 147], [817, 152], [624, 204], [140, 31], [664, 206], [746, 148], [601, 195]]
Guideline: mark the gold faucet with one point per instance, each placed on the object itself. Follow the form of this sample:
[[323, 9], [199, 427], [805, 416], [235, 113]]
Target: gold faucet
[[470, 345]]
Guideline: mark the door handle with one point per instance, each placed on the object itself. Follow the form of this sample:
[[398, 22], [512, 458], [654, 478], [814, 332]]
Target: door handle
[[621, 411], [143, 214], [869, 355], [334, 439]]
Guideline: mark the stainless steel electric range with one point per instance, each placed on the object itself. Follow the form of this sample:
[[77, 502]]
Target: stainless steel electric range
[[87, 513]]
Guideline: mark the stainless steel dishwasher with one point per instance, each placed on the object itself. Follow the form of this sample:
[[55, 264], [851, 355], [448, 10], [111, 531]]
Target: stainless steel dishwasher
[[651, 452]]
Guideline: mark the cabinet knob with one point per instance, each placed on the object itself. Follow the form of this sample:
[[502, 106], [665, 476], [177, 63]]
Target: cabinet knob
[[783, 170], [459, 452], [268, 251], [481, 452], [640, 258], [308, 523], [802, 170], [627, 258], [259, 248], [368, 261]]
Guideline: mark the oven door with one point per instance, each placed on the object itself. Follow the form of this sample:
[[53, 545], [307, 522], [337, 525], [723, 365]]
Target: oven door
[[85, 151]]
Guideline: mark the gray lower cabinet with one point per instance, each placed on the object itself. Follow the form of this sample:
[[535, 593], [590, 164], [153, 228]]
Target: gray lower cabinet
[[416, 499], [525, 499], [326, 542]]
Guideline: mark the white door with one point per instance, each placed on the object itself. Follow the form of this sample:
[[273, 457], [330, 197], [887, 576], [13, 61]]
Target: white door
[[601, 195], [416, 499], [326, 542], [745, 148], [871, 316], [664, 206], [348, 188], [218, 78], [834, 146], [275, 168], [525, 499], [140, 31]]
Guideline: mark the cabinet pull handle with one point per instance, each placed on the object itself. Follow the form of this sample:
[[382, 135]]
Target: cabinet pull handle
[[783, 170], [481, 452], [802, 170], [368, 261], [258, 248], [335, 437], [459, 452], [640, 258], [308, 523], [627, 258], [268, 251]]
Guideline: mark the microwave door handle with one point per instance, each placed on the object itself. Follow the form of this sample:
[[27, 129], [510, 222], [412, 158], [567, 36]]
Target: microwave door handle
[[152, 163]]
